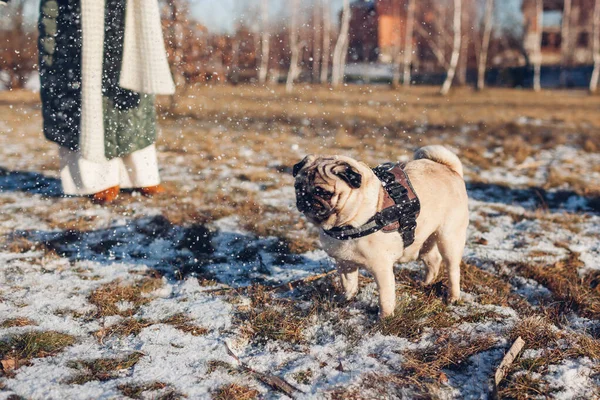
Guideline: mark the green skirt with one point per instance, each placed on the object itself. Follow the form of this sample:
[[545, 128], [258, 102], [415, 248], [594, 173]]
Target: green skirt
[[129, 117]]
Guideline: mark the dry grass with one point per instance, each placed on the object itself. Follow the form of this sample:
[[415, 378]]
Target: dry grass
[[562, 279], [275, 323], [102, 369], [19, 321], [536, 332], [303, 377], [214, 365], [269, 318], [387, 124], [555, 345], [380, 105], [22, 348], [234, 391], [107, 297], [491, 289], [123, 328], [523, 386], [161, 390], [446, 353], [184, 324], [133, 326], [416, 313]]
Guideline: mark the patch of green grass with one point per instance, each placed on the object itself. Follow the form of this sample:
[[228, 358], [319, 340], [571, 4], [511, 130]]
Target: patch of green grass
[[36, 344], [102, 369]]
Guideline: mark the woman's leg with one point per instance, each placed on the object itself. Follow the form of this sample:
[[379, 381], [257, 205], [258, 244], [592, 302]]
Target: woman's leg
[[140, 170], [81, 177]]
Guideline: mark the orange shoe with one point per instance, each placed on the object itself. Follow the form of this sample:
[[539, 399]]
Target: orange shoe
[[106, 196], [150, 191]]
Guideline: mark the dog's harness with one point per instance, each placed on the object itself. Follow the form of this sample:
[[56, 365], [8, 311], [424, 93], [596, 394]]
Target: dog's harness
[[401, 208]]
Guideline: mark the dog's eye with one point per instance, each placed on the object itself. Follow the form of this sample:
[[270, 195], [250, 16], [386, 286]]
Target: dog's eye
[[322, 193]]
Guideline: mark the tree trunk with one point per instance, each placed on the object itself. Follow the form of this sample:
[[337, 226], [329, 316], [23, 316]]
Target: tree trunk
[[316, 50], [397, 46], [463, 58], [485, 43], [596, 47], [293, 71], [408, 41], [339, 57], [326, 54], [565, 42], [264, 54], [537, 58], [455, 48]]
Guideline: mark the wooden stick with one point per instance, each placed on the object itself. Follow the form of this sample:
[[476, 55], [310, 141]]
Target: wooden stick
[[507, 361], [269, 379]]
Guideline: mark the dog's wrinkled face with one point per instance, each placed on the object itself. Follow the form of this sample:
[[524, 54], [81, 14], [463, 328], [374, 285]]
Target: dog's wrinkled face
[[323, 186]]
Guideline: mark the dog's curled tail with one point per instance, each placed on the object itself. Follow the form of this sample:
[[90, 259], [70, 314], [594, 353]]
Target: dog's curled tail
[[441, 155]]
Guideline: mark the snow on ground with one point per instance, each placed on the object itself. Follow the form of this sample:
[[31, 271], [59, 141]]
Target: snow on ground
[[59, 251]]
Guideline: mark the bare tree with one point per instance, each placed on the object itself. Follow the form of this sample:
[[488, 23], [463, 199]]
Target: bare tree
[[455, 48], [339, 57], [596, 47], [326, 53], [467, 18], [565, 42], [396, 56], [537, 56], [317, 31], [293, 71], [264, 54], [408, 41], [485, 43]]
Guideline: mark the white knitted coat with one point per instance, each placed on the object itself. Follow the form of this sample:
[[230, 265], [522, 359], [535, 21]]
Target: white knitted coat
[[144, 69]]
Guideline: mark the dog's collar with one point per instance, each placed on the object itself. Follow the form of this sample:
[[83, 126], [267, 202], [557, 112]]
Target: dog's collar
[[401, 208]]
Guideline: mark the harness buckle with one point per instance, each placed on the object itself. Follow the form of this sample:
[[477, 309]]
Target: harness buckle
[[389, 215]]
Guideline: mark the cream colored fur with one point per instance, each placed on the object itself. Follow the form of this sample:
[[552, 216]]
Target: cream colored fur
[[436, 175]]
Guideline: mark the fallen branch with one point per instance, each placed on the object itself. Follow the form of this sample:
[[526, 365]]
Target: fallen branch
[[507, 361], [269, 379]]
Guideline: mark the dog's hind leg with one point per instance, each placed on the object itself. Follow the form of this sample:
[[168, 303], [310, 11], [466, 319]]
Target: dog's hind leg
[[451, 248], [430, 254], [349, 277]]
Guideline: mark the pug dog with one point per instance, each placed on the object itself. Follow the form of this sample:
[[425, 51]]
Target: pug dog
[[337, 191]]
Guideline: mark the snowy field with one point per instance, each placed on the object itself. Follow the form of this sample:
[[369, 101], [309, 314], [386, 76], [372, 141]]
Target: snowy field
[[218, 289]]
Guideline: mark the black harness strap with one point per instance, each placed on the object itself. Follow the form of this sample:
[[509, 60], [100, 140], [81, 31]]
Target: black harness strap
[[400, 217]]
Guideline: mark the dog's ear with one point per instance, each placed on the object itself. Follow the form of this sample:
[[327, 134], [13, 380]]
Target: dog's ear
[[349, 174], [301, 164]]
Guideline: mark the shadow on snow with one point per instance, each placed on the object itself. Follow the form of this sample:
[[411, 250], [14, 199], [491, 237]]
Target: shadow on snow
[[533, 197], [29, 182], [229, 257]]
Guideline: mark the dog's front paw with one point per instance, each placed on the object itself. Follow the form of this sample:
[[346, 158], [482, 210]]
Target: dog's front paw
[[384, 315], [349, 295]]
